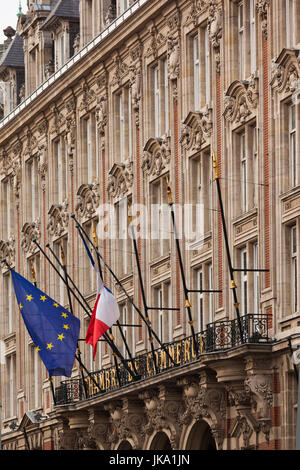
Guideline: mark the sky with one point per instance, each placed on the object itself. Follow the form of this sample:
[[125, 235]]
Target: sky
[[8, 16]]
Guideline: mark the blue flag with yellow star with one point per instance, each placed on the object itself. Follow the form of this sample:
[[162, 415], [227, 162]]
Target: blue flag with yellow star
[[53, 330]]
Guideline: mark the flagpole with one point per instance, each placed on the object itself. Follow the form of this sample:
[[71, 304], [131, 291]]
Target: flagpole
[[80, 228], [233, 284], [143, 293], [115, 350], [64, 267], [50, 377], [96, 243], [112, 345], [186, 292]]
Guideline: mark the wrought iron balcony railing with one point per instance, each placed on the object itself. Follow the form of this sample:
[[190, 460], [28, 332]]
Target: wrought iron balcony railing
[[219, 336]]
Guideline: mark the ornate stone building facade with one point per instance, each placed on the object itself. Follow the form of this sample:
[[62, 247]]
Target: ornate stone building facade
[[111, 98]]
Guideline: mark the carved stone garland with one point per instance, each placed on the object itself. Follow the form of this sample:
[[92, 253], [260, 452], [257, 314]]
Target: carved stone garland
[[157, 156]]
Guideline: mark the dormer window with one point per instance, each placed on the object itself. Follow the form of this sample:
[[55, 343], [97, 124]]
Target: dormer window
[[60, 54]]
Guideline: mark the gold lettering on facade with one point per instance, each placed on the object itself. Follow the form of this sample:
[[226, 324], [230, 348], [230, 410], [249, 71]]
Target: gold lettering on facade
[[178, 353], [163, 360], [187, 355], [171, 353], [107, 380]]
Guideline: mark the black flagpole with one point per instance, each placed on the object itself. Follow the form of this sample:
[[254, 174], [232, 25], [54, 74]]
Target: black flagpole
[[96, 243], [186, 291], [50, 377], [231, 270], [64, 267], [80, 228], [108, 340], [143, 293]]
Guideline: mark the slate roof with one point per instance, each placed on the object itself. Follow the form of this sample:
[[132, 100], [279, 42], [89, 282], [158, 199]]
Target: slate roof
[[63, 9], [14, 56]]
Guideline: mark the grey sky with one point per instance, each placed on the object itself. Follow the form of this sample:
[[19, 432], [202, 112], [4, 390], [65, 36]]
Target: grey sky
[[8, 15]]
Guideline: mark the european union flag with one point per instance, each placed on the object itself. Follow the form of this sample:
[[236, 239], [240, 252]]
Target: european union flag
[[53, 330]]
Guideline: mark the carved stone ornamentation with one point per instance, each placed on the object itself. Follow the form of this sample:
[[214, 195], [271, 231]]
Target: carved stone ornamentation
[[197, 8], [120, 179], [215, 28], [173, 58], [88, 97], [57, 120], [70, 139], [8, 250], [156, 41], [58, 219], [163, 409], [5, 163], [30, 231], [88, 198], [101, 114], [240, 100], [262, 7], [128, 422], [121, 70], [135, 77], [285, 71], [157, 156], [42, 164], [196, 129]]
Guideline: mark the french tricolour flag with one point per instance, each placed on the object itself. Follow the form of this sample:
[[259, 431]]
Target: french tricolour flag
[[105, 314]]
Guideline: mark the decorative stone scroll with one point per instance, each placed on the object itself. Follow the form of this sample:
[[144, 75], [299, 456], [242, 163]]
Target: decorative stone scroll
[[285, 71], [241, 100], [88, 198], [58, 219], [197, 8], [120, 179], [157, 156], [29, 231], [196, 129], [8, 250]]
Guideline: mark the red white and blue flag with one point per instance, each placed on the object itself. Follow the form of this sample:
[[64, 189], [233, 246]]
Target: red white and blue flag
[[105, 313]]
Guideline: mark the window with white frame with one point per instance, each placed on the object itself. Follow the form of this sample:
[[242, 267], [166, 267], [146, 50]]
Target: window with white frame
[[245, 51], [60, 50], [292, 15], [61, 170], [8, 207], [294, 268], [163, 318], [60, 293], [160, 218], [293, 145], [11, 386], [256, 290], [244, 281], [201, 192], [247, 169], [210, 294], [33, 178], [123, 245], [252, 37], [160, 98], [241, 40], [123, 124], [90, 150], [201, 72], [35, 375], [8, 303], [124, 4], [200, 300]]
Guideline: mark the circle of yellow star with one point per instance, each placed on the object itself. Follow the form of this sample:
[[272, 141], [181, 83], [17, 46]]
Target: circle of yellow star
[[29, 298], [20, 306], [38, 348], [66, 327], [55, 305], [50, 346], [60, 337], [43, 298], [64, 315]]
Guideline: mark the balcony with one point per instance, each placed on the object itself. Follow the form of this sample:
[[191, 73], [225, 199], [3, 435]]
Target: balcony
[[219, 336]]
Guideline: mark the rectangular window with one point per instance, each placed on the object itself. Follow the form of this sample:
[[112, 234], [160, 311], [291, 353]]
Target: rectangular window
[[124, 328], [255, 280], [61, 51], [211, 295], [123, 241], [294, 273], [123, 123], [252, 36], [244, 282], [293, 145], [243, 160], [160, 98], [255, 165], [200, 300], [11, 385], [160, 218], [61, 169], [290, 21], [34, 201], [124, 4], [60, 294], [241, 40], [89, 150], [8, 303], [196, 73]]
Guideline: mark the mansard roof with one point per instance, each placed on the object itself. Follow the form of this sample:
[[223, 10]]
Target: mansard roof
[[63, 9], [14, 56]]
